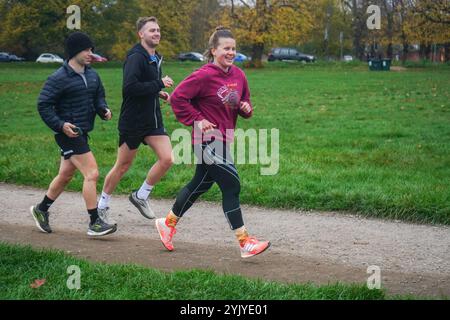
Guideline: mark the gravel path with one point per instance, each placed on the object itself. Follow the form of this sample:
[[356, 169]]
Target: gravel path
[[315, 246]]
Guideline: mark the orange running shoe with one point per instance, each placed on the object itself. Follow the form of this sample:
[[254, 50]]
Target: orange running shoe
[[165, 233], [251, 247]]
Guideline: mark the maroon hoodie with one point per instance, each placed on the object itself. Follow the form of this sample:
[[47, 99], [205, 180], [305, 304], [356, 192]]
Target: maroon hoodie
[[212, 94]]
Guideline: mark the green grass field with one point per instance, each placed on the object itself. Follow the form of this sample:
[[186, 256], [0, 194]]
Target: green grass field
[[21, 266], [374, 143]]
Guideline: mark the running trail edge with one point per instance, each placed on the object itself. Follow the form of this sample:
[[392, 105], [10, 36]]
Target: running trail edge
[[315, 247]]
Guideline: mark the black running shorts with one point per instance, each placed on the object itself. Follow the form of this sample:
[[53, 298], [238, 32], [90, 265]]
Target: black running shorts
[[71, 146], [134, 140]]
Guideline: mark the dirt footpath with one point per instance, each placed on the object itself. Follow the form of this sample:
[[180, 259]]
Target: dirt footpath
[[312, 247]]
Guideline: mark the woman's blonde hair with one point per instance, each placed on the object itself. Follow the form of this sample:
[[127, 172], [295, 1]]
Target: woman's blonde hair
[[213, 43]]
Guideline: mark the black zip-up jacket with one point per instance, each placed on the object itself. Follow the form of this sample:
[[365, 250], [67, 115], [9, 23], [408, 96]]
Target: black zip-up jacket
[[142, 83], [65, 98]]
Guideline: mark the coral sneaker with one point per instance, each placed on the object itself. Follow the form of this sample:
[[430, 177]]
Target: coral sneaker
[[165, 233], [251, 247]]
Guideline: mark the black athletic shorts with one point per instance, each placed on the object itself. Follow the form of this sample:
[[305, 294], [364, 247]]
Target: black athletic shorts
[[134, 140], [71, 146]]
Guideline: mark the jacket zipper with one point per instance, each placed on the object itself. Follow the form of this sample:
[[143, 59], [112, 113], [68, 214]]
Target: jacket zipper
[[154, 112], [158, 68]]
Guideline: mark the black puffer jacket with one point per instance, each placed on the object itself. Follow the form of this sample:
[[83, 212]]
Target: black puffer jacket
[[65, 98], [141, 85]]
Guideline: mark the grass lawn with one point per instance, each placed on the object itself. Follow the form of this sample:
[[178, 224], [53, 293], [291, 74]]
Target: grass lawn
[[375, 143], [20, 266]]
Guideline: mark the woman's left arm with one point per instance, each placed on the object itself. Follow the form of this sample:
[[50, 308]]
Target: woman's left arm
[[245, 107]]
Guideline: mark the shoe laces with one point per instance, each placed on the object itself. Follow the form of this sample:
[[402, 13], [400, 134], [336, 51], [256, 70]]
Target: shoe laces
[[101, 222], [250, 239], [173, 230], [103, 212]]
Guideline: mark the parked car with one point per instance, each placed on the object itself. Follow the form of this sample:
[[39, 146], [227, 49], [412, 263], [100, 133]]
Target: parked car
[[347, 58], [240, 57], [4, 57], [13, 57], [289, 54], [49, 57], [98, 58], [190, 56]]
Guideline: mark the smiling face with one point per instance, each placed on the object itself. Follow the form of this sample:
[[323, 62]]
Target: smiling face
[[225, 53], [150, 34]]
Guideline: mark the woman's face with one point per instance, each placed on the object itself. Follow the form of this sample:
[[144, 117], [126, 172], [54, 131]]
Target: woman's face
[[225, 53]]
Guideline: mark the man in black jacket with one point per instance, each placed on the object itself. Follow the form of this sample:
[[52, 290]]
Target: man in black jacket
[[68, 103], [140, 118]]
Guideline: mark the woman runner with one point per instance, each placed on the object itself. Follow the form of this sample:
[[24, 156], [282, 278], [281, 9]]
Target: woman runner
[[209, 100]]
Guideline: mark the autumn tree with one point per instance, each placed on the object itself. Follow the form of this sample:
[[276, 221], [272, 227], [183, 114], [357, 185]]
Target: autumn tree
[[434, 11], [24, 26], [174, 18], [430, 24], [331, 29], [263, 23], [202, 24], [30, 27]]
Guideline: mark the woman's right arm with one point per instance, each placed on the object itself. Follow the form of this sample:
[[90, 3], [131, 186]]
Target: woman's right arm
[[181, 100]]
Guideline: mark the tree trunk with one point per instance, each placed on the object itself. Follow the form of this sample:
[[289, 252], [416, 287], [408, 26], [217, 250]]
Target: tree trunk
[[390, 26], [403, 36], [447, 52], [428, 52], [257, 53], [261, 7], [389, 51], [422, 54], [405, 52], [358, 27], [425, 52]]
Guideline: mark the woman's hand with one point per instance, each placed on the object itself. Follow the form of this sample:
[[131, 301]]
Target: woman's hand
[[245, 107], [206, 126]]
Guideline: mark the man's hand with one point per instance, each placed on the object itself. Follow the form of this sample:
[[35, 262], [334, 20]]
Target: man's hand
[[245, 106], [108, 115], [165, 96], [67, 129], [168, 82]]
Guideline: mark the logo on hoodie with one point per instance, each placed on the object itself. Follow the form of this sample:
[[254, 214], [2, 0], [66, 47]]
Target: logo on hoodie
[[229, 95]]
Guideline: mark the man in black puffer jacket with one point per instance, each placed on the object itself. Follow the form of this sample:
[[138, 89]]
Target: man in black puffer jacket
[[68, 103]]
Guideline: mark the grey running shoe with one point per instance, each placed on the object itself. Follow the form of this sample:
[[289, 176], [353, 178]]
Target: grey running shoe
[[101, 228], [104, 215], [41, 219], [142, 205]]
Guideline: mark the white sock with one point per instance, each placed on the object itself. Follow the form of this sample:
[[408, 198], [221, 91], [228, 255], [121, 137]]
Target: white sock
[[144, 191], [104, 200]]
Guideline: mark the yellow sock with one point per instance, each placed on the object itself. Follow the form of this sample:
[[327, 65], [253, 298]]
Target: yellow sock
[[241, 234], [172, 219]]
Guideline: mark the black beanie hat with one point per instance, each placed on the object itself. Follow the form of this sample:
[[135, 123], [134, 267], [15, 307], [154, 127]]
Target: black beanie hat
[[77, 42]]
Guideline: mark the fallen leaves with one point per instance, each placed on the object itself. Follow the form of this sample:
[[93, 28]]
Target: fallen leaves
[[37, 283]]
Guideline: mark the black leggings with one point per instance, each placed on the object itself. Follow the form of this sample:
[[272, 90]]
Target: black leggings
[[216, 166]]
